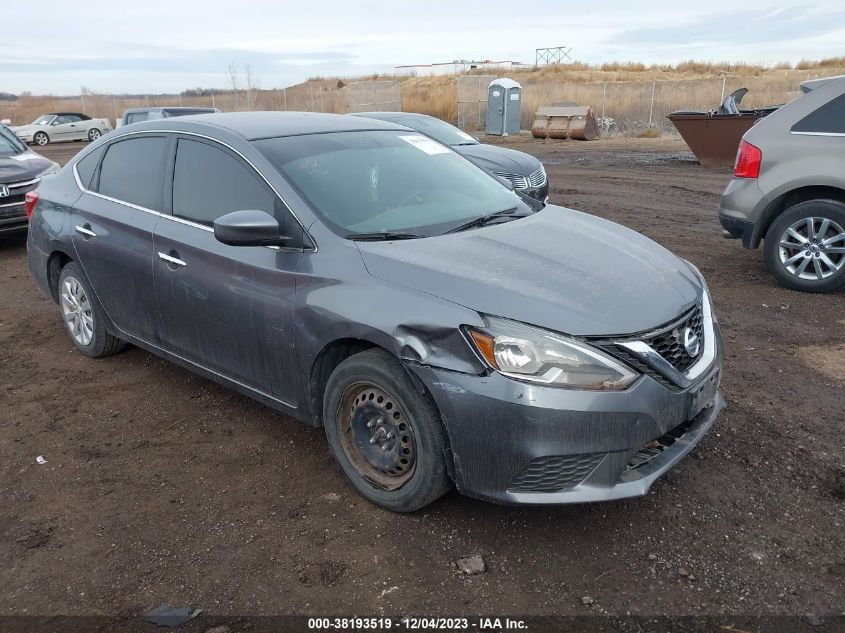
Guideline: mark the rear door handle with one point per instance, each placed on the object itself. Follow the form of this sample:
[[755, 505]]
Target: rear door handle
[[171, 260], [85, 231]]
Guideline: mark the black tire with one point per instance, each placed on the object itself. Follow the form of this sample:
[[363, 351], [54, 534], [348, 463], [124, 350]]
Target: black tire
[[41, 138], [101, 342], [94, 134], [830, 210], [421, 436]]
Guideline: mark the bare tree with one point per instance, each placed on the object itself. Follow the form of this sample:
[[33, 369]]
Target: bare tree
[[233, 82], [251, 82], [242, 80]]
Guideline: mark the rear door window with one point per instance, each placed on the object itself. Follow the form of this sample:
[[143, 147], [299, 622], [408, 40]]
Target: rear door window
[[133, 170], [826, 119]]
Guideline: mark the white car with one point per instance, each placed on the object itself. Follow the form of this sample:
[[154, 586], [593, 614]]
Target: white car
[[62, 126]]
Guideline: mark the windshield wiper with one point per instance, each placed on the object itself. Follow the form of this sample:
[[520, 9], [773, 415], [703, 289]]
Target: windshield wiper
[[484, 220], [382, 236]]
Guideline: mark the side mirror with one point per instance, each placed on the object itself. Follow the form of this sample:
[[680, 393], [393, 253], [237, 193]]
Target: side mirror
[[249, 228]]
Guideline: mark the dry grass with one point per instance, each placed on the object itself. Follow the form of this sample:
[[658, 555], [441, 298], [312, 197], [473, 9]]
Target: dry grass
[[620, 90], [649, 133]]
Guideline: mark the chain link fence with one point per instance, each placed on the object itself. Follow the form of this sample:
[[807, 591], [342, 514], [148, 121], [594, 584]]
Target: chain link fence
[[633, 107], [472, 101], [374, 96]]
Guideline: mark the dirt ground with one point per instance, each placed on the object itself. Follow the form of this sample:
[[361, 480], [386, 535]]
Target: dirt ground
[[162, 487]]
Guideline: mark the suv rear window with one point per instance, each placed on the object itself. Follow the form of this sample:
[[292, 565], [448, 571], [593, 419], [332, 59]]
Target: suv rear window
[[829, 118]]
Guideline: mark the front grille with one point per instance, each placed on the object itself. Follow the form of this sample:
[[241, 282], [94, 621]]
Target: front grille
[[518, 182], [535, 179], [654, 448], [555, 472], [670, 343], [9, 205]]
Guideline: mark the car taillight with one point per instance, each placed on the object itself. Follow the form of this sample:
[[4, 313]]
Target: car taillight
[[30, 200], [748, 159]]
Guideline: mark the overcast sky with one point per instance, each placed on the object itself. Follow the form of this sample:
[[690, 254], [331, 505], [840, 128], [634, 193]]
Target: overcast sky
[[54, 47]]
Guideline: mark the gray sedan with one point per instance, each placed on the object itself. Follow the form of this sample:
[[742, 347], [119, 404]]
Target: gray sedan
[[361, 277]]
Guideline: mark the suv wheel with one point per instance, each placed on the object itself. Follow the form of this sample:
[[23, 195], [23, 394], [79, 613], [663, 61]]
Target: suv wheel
[[805, 246], [385, 435], [83, 315]]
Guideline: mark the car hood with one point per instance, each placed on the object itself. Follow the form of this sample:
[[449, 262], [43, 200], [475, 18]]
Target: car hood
[[26, 128], [23, 166], [559, 269], [493, 158]]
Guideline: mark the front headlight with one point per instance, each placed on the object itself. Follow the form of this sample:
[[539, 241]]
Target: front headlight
[[527, 353]]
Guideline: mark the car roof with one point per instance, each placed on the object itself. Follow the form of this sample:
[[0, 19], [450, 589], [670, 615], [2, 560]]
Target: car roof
[[813, 84], [257, 125], [171, 109], [391, 115], [80, 114]]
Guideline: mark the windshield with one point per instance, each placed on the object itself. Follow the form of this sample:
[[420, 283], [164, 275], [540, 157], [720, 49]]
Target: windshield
[[387, 181], [9, 143], [440, 131], [44, 119]]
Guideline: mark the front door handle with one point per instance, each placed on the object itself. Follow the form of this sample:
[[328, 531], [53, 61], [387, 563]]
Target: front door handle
[[85, 230], [170, 259]]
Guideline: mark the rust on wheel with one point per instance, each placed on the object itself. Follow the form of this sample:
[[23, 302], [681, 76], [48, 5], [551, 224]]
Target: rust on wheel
[[376, 435]]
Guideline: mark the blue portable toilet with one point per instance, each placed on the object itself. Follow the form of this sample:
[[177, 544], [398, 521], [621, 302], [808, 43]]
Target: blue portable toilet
[[504, 107]]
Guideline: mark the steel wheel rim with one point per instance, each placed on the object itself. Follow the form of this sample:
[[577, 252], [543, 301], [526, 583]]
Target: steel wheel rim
[[376, 435], [813, 248], [76, 308]]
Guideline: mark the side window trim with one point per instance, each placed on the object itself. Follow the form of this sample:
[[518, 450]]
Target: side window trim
[[312, 245]]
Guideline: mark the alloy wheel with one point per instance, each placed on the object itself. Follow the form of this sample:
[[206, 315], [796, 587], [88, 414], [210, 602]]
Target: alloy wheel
[[77, 311], [813, 248], [376, 435], [94, 134], [41, 138]]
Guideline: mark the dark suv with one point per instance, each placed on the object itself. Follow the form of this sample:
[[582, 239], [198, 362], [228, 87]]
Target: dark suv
[[789, 189]]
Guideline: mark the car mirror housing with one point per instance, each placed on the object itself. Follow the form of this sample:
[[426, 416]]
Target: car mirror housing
[[249, 228]]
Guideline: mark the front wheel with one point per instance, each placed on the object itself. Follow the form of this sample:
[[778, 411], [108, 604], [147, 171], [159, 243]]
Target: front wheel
[[83, 315], [94, 134], [385, 435], [41, 138], [805, 246]]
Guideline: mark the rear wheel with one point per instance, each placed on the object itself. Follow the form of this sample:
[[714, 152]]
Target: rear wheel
[[94, 134], [41, 138], [805, 246], [385, 435], [83, 315]]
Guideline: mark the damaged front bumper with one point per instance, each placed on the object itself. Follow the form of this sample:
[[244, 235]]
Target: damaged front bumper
[[518, 443]]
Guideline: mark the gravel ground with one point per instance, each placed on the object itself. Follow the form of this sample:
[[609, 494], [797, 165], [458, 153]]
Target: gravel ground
[[160, 486]]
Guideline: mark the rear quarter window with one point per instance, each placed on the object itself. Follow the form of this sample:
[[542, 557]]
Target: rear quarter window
[[828, 118], [86, 167], [132, 171]]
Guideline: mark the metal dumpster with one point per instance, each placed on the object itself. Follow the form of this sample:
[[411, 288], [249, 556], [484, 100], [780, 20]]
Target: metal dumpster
[[561, 122], [714, 136]]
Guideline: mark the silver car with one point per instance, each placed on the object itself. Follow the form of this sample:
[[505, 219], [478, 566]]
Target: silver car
[[788, 189], [62, 126]]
